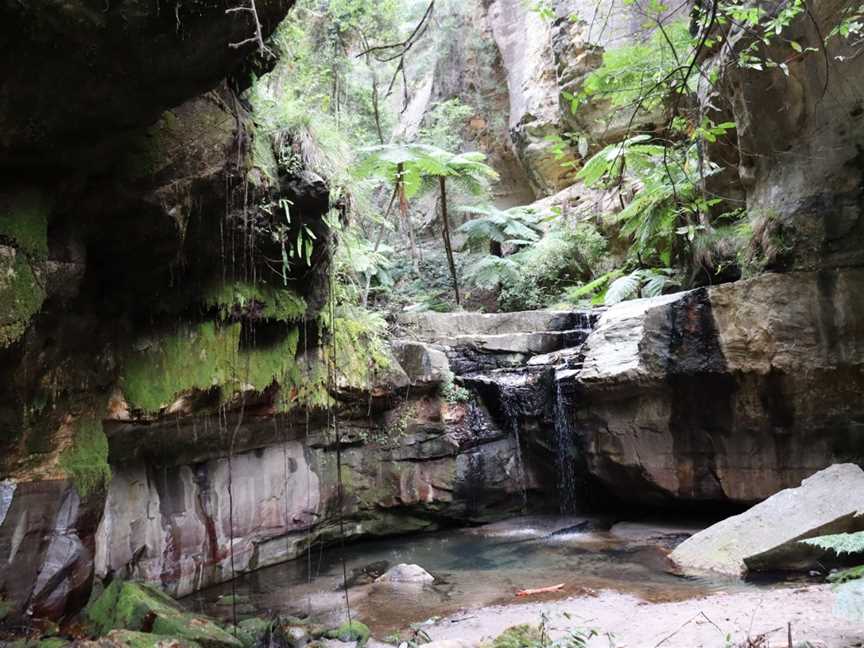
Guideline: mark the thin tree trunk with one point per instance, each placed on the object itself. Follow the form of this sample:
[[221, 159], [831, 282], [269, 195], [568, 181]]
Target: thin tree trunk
[[445, 230]]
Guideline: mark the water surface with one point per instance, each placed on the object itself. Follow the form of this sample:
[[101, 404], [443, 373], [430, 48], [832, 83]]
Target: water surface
[[473, 567]]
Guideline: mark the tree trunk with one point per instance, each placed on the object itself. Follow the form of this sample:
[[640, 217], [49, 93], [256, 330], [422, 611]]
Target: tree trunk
[[445, 231]]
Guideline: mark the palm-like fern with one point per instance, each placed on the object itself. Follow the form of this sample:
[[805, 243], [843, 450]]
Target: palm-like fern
[[518, 226], [413, 168], [640, 283]]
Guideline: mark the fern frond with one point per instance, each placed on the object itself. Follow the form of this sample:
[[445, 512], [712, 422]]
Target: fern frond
[[840, 543]]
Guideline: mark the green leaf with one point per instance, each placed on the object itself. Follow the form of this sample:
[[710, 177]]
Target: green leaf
[[624, 288], [841, 543]]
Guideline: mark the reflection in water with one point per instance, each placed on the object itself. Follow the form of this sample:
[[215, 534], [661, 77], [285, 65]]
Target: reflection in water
[[473, 567]]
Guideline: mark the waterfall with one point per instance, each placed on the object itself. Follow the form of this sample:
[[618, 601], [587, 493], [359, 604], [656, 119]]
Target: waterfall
[[568, 500], [511, 411]]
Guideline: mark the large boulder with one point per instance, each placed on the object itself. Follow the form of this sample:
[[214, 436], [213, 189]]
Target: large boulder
[[727, 394], [125, 605], [768, 536]]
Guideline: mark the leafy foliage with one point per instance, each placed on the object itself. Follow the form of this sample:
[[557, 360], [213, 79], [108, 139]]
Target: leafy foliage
[[642, 74], [538, 275], [640, 283], [849, 585], [841, 543], [518, 226]]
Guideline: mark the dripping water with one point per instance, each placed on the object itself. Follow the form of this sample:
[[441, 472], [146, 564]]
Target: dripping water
[[509, 404], [564, 453]]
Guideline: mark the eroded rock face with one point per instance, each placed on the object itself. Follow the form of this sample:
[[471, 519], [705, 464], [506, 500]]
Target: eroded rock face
[[768, 535], [544, 57], [801, 137], [727, 394]]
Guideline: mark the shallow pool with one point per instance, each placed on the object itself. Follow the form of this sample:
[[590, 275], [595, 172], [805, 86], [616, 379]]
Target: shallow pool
[[473, 567]]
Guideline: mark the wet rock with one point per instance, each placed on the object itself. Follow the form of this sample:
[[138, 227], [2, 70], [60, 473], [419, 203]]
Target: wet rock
[[767, 536], [46, 542], [404, 573], [367, 574], [727, 394], [126, 605]]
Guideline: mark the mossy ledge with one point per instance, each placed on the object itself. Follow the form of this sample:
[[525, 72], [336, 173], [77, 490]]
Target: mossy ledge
[[86, 460]]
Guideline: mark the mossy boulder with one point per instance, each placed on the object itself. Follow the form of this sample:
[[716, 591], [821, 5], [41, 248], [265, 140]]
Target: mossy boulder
[[249, 631], [353, 631], [134, 606]]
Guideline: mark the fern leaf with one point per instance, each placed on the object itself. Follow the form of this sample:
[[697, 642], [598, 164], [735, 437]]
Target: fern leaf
[[623, 288], [841, 543]]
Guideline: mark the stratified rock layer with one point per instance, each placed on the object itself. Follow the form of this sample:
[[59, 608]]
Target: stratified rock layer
[[727, 394]]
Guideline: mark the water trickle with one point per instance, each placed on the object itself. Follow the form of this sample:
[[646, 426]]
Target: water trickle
[[511, 411], [565, 459]]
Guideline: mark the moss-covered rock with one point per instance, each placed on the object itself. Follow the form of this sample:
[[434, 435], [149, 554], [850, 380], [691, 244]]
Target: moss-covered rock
[[203, 357], [24, 221], [135, 606], [257, 301], [249, 631], [353, 631], [21, 294], [53, 642], [86, 460]]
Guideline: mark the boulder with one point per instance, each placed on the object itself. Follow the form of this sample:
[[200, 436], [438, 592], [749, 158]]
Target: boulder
[[127, 605], [425, 364], [406, 574], [767, 537]]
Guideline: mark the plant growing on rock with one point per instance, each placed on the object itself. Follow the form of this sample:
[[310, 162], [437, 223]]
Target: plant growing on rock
[[848, 583]]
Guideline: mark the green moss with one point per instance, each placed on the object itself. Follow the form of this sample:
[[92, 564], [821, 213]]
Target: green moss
[[277, 304], [21, 295], [521, 636], [130, 606], [249, 631], [24, 221], [86, 460], [354, 631], [5, 609], [202, 357]]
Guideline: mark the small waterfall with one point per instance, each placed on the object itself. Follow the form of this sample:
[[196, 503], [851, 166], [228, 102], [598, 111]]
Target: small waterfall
[[565, 459], [511, 410]]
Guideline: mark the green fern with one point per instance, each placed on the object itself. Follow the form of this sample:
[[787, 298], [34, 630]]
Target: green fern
[[489, 271], [519, 226], [841, 543], [640, 283]]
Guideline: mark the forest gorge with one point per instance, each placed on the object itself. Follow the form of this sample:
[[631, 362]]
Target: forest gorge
[[501, 323]]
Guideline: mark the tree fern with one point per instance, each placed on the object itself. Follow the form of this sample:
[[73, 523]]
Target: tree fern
[[517, 225]]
